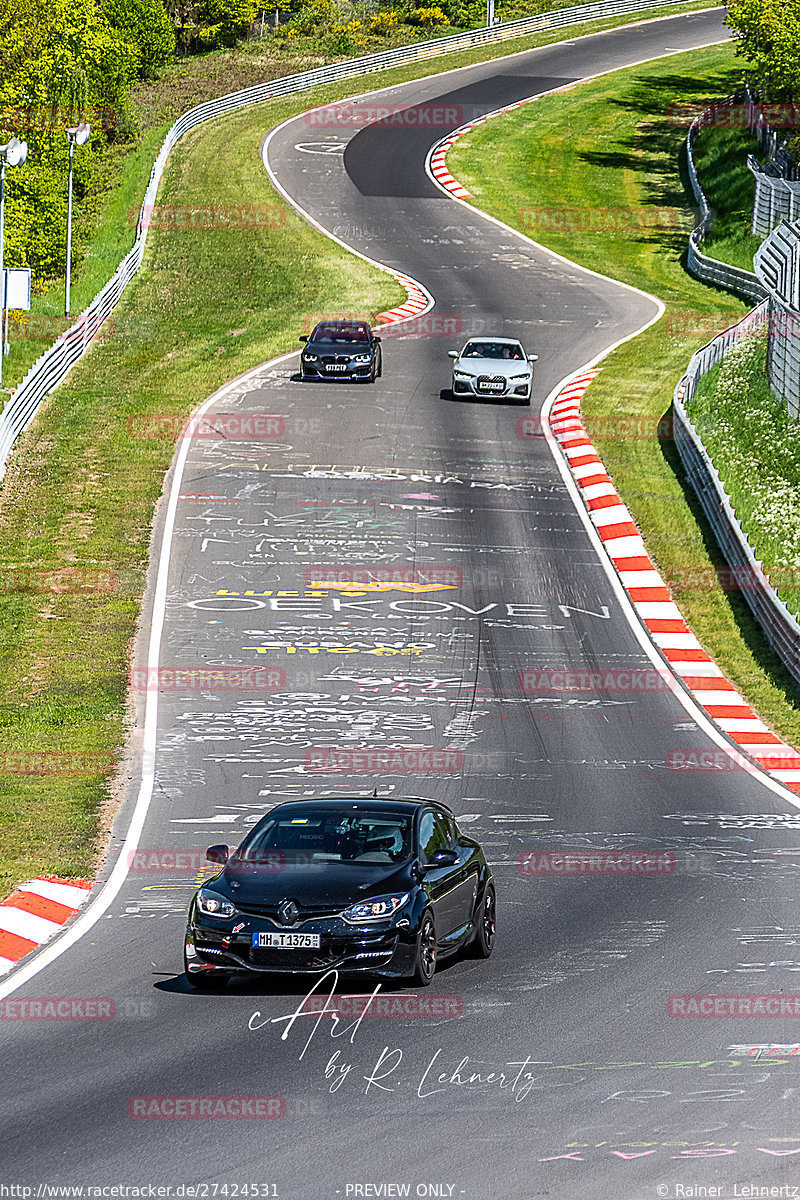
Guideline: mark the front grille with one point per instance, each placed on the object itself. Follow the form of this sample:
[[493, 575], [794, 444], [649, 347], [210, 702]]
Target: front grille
[[304, 914], [292, 960], [491, 383], [327, 359]]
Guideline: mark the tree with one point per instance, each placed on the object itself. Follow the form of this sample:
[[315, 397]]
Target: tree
[[768, 32], [144, 23]]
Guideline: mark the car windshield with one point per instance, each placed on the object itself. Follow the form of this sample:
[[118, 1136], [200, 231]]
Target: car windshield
[[319, 835], [492, 350], [339, 331]]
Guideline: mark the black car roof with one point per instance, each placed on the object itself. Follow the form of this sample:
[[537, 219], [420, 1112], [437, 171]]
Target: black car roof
[[325, 329], [404, 804]]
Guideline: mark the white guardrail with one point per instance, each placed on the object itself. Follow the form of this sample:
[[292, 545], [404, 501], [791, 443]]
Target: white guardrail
[[781, 628], [56, 362], [706, 269]]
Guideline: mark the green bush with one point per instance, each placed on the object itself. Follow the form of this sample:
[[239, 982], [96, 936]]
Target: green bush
[[147, 26]]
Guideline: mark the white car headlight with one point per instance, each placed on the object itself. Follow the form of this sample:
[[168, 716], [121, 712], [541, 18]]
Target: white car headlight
[[515, 378], [214, 905], [377, 908], [462, 375]]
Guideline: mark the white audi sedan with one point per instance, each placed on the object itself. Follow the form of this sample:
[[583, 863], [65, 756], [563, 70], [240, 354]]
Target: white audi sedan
[[495, 366]]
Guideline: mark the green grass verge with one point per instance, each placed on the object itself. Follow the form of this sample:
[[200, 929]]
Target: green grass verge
[[721, 160], [80, 490], [610, 144]]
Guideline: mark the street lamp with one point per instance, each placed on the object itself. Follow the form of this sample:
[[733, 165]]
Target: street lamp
[[77, 137], [12, 154]]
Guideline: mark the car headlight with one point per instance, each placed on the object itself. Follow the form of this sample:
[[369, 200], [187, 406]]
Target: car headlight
[[516, 378], [378, 908], [310, 357], [361, 358], [462, 375], [214, 905]]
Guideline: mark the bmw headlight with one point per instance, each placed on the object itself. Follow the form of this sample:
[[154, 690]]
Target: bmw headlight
[[310, 357], [214, 905], [517, 378], [377, 908], [360, 359], [462, 375]]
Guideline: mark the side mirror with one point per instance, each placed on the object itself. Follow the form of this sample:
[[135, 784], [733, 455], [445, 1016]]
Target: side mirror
[[443, 858], [217, 854], [453, 354], [376, 340], [304, 338], [533, 358]]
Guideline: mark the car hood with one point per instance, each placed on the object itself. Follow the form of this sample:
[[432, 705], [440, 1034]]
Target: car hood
[[493, 366], [320, 885]]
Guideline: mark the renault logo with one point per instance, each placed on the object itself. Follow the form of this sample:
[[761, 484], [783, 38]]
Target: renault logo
[[287, 912]]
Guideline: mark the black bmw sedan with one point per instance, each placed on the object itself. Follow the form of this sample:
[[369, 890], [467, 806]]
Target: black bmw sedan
[[341, 350], [387, 887]]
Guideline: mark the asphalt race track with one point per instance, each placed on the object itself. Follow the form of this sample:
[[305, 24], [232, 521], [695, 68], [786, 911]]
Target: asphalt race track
[[587, 1086]]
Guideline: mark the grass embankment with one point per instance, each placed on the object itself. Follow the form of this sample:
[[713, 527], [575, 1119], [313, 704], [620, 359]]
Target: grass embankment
[[80, 491], [720, 156], [610, 143], [755, 446]]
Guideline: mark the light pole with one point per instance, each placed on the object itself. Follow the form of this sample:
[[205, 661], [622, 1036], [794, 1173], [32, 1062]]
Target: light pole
[[12, 154], [77, 137]]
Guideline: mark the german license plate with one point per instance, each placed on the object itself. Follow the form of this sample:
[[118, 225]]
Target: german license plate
[[336, 367], [286, 941], [492, 387]]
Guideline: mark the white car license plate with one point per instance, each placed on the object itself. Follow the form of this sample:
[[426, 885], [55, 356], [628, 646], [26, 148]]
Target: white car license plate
[[492, 387], [286, 941], [336, 367]]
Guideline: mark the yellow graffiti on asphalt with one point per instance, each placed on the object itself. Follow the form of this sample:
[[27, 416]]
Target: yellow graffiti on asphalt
[[380, 585]]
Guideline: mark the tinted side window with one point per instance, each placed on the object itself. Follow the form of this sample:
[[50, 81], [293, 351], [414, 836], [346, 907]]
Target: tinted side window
[[451, 833], [431, 836]]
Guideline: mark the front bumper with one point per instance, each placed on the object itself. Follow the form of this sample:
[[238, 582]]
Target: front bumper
[[351, 371], [494, 388], [388, 951]]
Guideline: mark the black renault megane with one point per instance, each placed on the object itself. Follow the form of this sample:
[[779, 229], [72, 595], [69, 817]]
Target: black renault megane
[[388, 887]]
